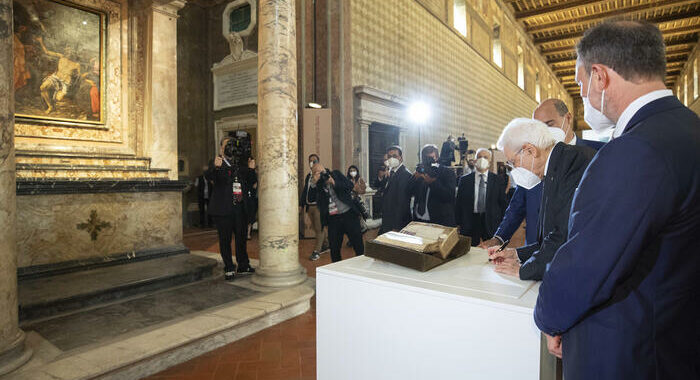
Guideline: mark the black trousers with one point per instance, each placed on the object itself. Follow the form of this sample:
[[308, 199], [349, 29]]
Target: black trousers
[[236, 224], [346, 223], [479, 229], [204, 217]]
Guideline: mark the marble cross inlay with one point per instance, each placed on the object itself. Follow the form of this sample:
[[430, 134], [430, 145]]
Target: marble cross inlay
[[93, 225]]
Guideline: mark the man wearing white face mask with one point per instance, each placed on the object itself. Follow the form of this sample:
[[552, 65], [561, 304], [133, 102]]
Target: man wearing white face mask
[[481, 200], [621, 299], [396, 202], [556, 115], [536, 156]]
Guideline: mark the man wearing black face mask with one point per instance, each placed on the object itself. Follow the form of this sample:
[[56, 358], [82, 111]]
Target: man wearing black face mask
[[433, 187]]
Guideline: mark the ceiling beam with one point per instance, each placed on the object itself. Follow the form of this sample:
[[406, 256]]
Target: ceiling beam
[[562, 59], [624, 12], [691, 39], [560, 7], [661, 19]]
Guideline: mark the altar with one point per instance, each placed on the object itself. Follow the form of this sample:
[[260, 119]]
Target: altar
[[461, 320]]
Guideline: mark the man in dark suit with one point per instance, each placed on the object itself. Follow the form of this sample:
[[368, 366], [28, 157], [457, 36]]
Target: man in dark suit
[[525, 204], [531, 149], [433, 187], [338, 211], [227, 206], [204, 189], [621, 299], [555, 113], [481, 200], [447, 153], [396, 202]]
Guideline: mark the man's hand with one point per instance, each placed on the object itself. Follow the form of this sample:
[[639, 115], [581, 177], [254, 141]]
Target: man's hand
[[331, 180], [486, 244], [428, 179], [218, 161], [508, 253], [554, 345], [510, 267]]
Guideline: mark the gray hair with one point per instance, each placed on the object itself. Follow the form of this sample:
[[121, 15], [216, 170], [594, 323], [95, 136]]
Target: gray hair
[[523, 131], [634, 49], [482, 150]]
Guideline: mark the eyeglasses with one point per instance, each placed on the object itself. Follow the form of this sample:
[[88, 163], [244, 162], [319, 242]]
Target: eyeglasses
[[510, 164]]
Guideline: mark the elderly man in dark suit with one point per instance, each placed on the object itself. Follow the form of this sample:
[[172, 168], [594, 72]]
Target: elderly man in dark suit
[[433, 187], [396, 202], [621, 299], [481, 200], [536, 156]]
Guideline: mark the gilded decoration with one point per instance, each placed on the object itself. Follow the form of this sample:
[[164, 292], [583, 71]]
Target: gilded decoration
[[58, 62], [77, 128]]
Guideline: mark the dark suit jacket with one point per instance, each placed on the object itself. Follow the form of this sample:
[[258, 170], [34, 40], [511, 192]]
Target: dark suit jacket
[[308, 194], [396, 202], [566, 166], [441, 204], [447, 153], [221, 200], [625, 288], [590, 143], [343, 188], [495, 203], [525, 204]]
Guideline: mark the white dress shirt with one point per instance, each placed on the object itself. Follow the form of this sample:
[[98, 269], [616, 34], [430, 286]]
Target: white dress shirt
[[477, 182], [635, 106], [546, 165]]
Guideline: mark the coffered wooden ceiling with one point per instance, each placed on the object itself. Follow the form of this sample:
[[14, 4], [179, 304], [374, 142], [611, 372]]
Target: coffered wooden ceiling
[[557, 25]]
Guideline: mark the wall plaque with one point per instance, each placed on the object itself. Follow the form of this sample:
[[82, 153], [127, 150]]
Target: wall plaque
[[236, 84]]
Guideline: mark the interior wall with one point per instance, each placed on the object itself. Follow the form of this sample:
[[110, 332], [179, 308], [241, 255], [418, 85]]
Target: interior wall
[[401, 47]]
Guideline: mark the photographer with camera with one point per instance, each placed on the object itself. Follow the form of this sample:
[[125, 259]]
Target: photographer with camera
[[338, 210], [433, 187], [233, 175]]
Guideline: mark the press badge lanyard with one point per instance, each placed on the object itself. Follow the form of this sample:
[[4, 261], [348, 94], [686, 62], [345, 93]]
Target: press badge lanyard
[[236, 187]]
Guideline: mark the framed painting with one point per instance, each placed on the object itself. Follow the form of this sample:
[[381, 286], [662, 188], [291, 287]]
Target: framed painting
[[59, 53]]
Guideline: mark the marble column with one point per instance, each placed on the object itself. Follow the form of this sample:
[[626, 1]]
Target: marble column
[[364, 146], [277, 146], [162, 85], [13, 353]]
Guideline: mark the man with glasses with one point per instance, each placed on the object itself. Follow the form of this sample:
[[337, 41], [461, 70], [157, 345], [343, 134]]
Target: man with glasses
[[537, 157]]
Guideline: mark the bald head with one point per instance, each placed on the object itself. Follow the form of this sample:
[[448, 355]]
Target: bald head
[[555, 113]]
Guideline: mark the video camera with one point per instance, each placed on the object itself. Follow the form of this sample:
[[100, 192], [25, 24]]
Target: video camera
[[238, 148]]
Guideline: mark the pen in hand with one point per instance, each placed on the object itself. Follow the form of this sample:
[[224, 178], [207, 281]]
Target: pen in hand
[[501, 248]]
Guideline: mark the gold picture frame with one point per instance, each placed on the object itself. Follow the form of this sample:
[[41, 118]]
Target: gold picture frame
[[59, 63]]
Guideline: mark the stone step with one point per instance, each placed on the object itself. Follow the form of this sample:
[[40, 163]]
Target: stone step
[[63, 293], [59, 171]]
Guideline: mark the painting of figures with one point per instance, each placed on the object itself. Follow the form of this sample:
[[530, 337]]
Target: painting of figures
[[58, 55]]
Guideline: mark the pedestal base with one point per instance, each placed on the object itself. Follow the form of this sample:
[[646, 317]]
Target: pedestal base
[[15, 355], [279, 279]]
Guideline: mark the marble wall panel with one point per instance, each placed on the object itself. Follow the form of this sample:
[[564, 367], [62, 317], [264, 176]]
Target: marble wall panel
[[56, 228]]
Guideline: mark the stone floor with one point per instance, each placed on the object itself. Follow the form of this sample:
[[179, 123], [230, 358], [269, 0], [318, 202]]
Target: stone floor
[[284, 352]]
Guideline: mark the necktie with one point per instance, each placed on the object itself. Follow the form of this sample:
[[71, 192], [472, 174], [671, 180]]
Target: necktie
[[481, 201]]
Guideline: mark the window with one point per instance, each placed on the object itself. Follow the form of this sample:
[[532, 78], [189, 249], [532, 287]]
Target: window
[[521, 68], [537, 87], [497, 58], [685, 90], [460, 15], [695, 78]]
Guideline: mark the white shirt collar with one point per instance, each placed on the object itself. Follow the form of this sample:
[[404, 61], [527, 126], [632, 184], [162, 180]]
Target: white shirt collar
[[635, 106], [546, 165], [573, 141]]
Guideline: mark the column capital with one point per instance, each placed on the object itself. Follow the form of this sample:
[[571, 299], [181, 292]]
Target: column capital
[[168, 7]]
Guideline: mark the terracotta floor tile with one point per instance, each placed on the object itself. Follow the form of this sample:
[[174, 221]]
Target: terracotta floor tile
[[286, 351]]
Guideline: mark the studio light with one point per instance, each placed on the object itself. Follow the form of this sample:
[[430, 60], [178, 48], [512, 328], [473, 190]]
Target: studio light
[[418, 112]]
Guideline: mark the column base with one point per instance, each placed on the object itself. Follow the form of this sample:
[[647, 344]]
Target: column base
[[274, 279], [15, 355]]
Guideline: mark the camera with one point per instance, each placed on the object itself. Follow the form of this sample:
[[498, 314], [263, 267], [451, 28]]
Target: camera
[[420, 169], [325, 175], [238, 148]]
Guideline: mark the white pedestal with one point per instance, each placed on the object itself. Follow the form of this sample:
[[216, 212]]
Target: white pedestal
[[461, 320]]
